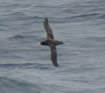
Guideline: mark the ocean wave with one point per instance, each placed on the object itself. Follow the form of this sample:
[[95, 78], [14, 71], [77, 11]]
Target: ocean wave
[[24, 37], [97, 38], [17, 86]]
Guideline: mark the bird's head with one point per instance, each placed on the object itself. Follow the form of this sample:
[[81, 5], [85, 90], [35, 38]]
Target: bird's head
[[44, 42]]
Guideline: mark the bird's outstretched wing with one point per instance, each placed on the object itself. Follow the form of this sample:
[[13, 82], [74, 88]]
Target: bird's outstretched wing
[[48, 29], [53, 54]]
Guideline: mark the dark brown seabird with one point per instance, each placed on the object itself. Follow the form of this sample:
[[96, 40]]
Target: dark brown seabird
[[51, 42]]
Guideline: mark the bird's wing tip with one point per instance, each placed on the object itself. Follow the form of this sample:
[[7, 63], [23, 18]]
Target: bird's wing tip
[[46, 19]]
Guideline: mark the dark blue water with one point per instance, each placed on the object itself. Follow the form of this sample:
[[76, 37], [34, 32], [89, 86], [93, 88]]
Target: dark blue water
[[25, 67]]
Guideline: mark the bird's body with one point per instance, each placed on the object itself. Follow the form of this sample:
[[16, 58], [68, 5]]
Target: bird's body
[[51, 42], [55, 42]]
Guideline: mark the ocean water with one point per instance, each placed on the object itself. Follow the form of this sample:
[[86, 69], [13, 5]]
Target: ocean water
[[25, 66]]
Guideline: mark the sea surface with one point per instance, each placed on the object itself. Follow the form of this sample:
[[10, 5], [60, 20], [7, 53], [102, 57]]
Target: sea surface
[[25, 66]]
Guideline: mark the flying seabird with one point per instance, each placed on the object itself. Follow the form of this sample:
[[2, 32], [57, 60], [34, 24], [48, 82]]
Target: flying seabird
[[51, 42]]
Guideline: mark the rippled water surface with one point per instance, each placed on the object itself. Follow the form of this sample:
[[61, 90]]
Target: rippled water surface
[[25, 66]]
